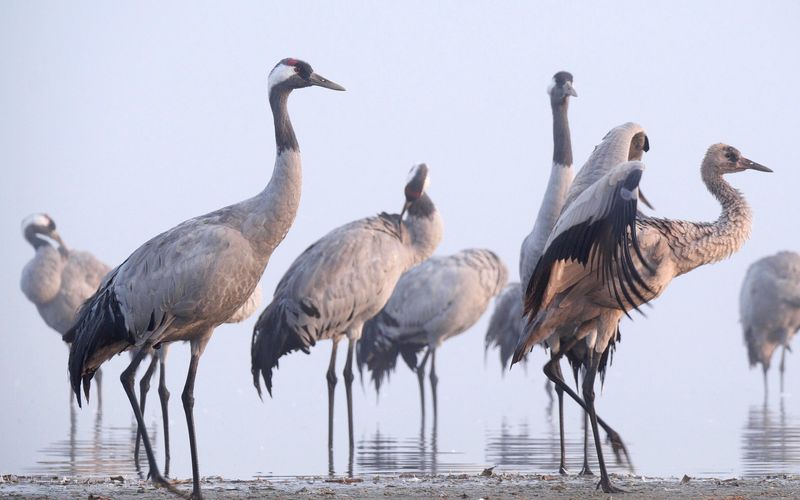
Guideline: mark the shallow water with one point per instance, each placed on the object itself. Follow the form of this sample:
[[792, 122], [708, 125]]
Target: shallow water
[[101, 443]]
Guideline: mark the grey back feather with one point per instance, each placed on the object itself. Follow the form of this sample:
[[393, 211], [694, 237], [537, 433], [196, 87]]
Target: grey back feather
[[506, 324], [434, 301], [59, 284]]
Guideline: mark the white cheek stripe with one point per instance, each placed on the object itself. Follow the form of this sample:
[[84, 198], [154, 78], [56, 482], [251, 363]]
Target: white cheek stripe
[[280, 74], [35, 219]]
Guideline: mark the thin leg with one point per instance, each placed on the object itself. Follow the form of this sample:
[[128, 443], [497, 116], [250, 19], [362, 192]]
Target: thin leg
[[783, 365], [348, 388], [421, 379], [766, 388], [188, 408], [586, 470], [144, 387], [434, 382], [98, 378], [127, 380], [562, 468], [163, 395], [588, 396], [331, 376], [613, 436]]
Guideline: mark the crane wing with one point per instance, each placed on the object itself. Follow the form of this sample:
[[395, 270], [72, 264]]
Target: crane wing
[[596, 231], [614, 149]]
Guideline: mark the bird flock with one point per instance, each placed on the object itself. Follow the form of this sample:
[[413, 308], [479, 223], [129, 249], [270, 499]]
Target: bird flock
[[591, 258]]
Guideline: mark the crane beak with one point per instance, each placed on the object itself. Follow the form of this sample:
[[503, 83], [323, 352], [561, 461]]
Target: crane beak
[[405, 208], [750, 164], [570, 90], [644, 200], [320, 81], [62, 248]]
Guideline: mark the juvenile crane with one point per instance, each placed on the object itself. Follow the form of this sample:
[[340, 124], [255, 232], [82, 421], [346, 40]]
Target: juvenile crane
[[769, 308], [185, 282], [58, 279], [604, 259], [340, 282], [432, 302]]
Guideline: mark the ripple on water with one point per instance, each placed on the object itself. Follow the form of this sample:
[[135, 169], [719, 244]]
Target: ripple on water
[[770, 441]]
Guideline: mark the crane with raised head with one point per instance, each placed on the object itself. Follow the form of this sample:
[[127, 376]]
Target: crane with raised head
[[183, 283]]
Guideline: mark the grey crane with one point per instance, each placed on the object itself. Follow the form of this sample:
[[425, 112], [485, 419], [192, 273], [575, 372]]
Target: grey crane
[[434, 301], [769, 308], [159, 357], [340, 282], [183, 283], [628, 141], [58, 279], [604, 259]]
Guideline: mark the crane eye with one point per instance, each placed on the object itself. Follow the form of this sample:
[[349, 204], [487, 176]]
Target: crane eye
[[731, 156]]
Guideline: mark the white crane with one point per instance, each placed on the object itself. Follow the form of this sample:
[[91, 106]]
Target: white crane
[[604, 259], [434, 301], [340, 282], [183, 283], [769, 308]]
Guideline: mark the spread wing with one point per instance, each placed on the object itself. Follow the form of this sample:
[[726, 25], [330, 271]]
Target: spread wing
[[597, 231]]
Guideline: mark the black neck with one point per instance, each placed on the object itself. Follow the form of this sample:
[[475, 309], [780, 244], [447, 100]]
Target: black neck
[[422, 207], [562, 145], [34, 239], [284, 133]]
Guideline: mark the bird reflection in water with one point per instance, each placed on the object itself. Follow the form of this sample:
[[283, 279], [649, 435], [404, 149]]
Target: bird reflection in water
[[106, 450], [385, 454], [770, 441]]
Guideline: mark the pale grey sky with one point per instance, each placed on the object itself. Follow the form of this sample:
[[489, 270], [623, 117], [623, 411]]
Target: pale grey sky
[[121, 121]]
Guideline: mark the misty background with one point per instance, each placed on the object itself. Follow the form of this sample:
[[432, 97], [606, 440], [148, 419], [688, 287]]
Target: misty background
[[120, 121]]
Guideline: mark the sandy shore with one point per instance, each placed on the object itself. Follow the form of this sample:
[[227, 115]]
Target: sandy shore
[[406, 486]]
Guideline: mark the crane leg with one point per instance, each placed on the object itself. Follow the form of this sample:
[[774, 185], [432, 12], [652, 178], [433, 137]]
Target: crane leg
[[188, 407], [766, 387], [588, 396], [144, 387], [586, 470], [163, 395], [98, 379], [127, 380], [420, 369], [562, 468], [331, 376], [617, 445], [781, 367], [434, 383], [348, 388]]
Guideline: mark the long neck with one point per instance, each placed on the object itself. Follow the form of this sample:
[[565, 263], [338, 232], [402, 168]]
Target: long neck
[[271, 213], [562, 144], [34, 238], [697, 244], [424, 225], [555, 194]]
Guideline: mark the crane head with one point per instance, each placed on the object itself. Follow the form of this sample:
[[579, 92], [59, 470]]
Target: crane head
[[292, 73], [725, 159], [35, 226], [561, 88], [416, 185]]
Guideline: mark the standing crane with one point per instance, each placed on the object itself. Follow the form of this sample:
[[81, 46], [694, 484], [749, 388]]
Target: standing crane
[[769, 308], [340, 282], [183, 283], [432, 302], [604, 259], [58, 279]]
